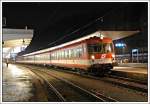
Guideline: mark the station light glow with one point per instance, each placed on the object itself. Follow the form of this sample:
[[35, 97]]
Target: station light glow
[[15, 70], [120, 45]]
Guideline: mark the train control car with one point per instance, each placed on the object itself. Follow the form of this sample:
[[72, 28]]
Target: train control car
[[94, 55]]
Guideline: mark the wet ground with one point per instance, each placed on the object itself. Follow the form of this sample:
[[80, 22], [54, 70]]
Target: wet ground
[[19, 84], [16, 85]]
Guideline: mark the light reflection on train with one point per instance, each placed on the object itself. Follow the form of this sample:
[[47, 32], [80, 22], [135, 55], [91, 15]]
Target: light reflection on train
[[94, 55]]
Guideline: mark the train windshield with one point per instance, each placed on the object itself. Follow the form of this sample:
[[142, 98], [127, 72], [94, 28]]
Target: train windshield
[[100, 48]]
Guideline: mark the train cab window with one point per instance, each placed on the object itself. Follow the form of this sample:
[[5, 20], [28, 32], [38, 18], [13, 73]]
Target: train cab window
[[94, 48], [107, 47], [100, 48]]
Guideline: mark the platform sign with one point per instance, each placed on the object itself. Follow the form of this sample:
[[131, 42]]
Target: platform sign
[[134, 50], [135, 56]]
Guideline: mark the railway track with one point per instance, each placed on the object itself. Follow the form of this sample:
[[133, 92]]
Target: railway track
[[68, 91], [128, 83], [141, 88], [116, 80], [125, 78], [51, 90]]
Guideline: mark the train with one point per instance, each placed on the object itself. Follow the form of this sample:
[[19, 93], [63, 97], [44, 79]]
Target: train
[[92, 55]]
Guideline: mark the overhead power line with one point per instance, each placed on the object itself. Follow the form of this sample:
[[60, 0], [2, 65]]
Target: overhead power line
[[101, 19]]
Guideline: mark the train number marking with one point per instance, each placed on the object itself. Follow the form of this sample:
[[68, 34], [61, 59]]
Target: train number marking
[[103, 55]]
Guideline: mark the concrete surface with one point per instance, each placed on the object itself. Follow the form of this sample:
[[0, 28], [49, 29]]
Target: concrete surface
[[131, 69], [137, 73], [134, 65]]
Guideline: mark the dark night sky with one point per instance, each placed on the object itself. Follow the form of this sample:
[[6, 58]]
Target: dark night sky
[[51, 21]]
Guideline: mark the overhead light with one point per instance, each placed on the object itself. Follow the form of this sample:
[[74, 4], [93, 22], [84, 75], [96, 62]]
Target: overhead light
[[120, 45]]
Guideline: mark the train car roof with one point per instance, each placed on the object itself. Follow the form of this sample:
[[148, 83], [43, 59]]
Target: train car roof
[[64, 44], [111, 34]]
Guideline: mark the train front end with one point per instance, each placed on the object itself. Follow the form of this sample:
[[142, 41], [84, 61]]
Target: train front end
[[101, 55]]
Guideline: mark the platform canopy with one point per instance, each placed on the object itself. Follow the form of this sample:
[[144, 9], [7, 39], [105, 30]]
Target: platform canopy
[[15, 40], [114, 35]]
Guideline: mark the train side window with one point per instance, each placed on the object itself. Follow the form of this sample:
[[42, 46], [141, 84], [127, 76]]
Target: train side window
[[52, 56], [47, 57], [59, 54], [83, 49], [62, 54], [75, 53], [79, 52], [55, 55], [69, 53], [65, 54], [72, 53]]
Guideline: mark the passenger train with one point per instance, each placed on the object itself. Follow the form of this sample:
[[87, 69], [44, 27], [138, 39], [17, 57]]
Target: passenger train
[[92, 55]]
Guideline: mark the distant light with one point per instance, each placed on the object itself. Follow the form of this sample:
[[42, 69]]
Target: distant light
[[120, 45]]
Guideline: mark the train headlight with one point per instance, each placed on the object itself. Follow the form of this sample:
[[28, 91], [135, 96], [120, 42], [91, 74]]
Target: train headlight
[[113, 56], [92, 57]]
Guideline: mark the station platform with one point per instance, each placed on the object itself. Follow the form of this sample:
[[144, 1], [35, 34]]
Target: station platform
[[16, 84], [19, 84], [137, 71], [134, 65]]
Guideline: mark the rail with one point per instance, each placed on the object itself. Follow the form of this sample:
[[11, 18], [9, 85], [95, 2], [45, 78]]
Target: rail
[[93, 95]]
